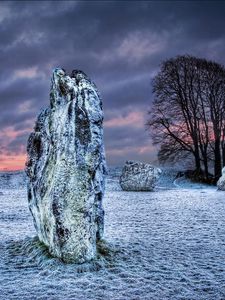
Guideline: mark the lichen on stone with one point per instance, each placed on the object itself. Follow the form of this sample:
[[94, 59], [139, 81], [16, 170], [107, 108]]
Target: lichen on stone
[[66, 167], [138, 176]]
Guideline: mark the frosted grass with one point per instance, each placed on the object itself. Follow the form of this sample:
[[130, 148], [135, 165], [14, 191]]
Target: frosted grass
[[167, 244]]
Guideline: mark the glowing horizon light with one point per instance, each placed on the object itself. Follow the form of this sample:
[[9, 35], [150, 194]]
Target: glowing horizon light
[[12, 162]]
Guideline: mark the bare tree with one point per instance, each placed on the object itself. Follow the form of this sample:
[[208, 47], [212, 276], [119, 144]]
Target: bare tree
[[188, 112]]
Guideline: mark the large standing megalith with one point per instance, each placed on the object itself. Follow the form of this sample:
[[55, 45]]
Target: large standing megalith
[[66, 167]]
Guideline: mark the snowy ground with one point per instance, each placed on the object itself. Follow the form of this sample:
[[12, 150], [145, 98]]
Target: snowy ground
[[166, 244]]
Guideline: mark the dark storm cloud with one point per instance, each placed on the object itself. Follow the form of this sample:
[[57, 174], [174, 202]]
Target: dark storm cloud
[[120, 44]]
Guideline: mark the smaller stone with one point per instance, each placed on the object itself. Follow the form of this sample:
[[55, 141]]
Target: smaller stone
[[137, 176], [221, 181]]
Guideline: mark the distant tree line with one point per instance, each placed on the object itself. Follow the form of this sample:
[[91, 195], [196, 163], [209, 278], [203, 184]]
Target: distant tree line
[[187, 117]]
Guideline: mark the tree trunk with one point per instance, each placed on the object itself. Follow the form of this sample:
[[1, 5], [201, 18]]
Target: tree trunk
[[197, 161], [206, 168], [223, 155], [196, 153], [217, 162]]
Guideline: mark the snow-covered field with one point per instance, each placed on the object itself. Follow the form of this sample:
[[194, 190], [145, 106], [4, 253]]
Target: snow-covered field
[[166, 244]]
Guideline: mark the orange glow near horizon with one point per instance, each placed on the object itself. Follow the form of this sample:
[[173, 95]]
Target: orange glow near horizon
[[12, 162], [17, 162]]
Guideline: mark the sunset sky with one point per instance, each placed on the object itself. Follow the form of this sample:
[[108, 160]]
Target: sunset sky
[[119, 44]]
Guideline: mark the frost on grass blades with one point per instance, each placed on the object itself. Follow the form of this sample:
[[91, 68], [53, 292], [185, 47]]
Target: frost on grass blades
[[66, 167], [167, 244]]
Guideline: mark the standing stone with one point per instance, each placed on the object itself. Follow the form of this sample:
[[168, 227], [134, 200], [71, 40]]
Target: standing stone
[[137, 176], [221, 181], [66, 167]]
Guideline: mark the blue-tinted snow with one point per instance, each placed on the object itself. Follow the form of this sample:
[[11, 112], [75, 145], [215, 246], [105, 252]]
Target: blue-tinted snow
[[170, 244]]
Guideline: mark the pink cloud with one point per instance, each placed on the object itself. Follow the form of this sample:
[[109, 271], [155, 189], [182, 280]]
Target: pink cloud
[[26, 73], [133, 119], [25, 106], [126, 150], [134, 47], [138, 45], [146, 149], [9, 133]]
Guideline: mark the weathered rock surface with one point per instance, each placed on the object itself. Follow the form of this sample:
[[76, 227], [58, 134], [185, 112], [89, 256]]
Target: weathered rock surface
[[66, 167], [221, 181], [137, 176]]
